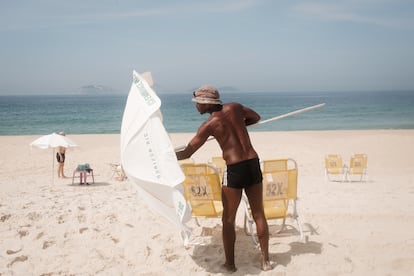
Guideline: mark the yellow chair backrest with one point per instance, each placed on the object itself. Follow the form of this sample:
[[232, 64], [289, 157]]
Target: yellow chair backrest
[[202, 190], [334, 164], [275, 187], [358, 163], [279, 186], [274, 165], [186, 161], [284, 165], [219, 163]]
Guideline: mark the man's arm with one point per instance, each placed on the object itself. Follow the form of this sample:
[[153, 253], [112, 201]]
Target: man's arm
[[250, 116], [198, 140], [186, 153]]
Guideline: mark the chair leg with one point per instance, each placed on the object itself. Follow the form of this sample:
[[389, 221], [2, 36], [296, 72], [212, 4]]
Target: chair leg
[[282, 226], [248, 222], [300, 228], [295, 215], [248, 229], [185, 236]]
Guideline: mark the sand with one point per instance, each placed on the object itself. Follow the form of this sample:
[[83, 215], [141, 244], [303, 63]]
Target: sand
[[50, 227]]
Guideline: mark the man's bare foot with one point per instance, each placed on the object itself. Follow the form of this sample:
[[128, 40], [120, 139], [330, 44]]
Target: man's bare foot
[[266, 266], [229, 268]]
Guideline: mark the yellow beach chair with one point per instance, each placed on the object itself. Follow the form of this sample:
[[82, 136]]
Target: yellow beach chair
[[357, 167], [280, 178], [219, 163], [334, 168], [202, 190], [186, 161]]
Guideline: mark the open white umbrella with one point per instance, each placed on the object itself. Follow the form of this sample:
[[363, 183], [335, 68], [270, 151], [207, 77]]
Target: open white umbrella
[[53, 141]]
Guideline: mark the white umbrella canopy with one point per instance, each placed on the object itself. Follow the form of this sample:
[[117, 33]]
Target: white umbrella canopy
[[53, 141]]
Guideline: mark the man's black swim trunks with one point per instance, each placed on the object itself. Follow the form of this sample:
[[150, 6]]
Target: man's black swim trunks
[[243, 174], [59, 159]]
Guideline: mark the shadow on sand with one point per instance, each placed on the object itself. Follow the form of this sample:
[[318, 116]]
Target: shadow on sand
[[210, 254], [90, 185]]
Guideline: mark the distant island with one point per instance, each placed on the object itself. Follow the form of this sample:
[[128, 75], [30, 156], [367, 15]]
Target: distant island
[[95, 90]]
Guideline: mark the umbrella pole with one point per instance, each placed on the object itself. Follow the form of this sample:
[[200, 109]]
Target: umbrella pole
[[53, 167]]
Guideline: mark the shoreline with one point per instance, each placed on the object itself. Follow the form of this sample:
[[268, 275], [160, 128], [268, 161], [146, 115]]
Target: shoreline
[[250, 131], [49, 226]]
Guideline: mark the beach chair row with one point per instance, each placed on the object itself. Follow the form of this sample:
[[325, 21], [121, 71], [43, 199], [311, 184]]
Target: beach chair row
[[202, 189], [336, 170]]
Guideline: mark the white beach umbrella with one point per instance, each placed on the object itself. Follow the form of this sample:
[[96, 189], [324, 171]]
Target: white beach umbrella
[[53, 141]]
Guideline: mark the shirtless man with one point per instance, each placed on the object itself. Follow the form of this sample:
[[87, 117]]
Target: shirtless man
[[227, 124]]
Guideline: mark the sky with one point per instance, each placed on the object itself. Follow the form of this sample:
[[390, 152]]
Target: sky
[[59, 46]]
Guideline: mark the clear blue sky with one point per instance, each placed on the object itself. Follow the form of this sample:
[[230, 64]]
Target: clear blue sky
[[57, 46]]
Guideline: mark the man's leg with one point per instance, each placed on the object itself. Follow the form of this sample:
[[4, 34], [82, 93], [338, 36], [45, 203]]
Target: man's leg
[[231, 200], [60, 169], [63, 169], [255, 195]]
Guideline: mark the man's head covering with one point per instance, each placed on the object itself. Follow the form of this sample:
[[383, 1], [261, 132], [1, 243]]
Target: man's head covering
[[206, 94]]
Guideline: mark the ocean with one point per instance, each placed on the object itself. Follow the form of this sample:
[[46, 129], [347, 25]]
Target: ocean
[[84, 114]]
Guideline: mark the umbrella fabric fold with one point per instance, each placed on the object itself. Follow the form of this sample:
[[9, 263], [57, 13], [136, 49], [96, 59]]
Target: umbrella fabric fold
[[148, 157]]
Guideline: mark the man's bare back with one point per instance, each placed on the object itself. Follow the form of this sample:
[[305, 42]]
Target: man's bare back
[[227, 125]]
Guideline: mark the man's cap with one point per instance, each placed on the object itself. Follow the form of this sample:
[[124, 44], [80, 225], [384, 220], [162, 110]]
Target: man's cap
[[206, 94]]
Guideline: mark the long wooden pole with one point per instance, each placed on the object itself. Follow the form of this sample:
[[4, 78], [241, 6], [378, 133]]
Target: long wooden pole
[[271, 120]]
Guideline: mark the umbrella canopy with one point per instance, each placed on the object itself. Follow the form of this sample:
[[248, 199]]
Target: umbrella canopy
[[53, 141]]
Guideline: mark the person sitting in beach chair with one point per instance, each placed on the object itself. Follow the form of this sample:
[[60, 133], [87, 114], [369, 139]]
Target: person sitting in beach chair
[[83, 170]]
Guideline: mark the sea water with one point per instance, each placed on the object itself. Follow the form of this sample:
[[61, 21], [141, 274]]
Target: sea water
[[81, 114]]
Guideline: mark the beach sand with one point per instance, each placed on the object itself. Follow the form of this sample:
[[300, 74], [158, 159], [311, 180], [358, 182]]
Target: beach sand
[[50, 227]]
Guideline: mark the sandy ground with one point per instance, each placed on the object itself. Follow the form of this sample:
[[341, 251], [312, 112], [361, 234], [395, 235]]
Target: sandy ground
[[50, 227]]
